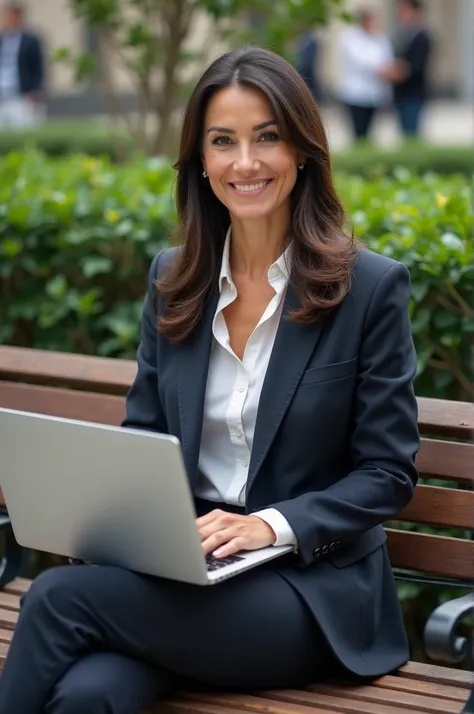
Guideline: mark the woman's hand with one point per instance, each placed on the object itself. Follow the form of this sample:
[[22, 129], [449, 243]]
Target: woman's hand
[[224, 534]]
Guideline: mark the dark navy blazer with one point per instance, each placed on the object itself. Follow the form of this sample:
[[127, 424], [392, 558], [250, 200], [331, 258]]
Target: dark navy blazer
[[31, 69], [334, 446]]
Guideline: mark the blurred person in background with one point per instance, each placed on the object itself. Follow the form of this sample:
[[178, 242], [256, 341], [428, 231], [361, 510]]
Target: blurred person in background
[[364, 52], [408, 73], [21, 71], [307, 63]]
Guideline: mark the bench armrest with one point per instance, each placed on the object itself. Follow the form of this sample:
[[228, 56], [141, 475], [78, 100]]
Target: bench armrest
[[440, 639], [13, 554]]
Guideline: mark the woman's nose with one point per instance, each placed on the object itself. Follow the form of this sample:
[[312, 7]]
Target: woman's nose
[[246, 160]]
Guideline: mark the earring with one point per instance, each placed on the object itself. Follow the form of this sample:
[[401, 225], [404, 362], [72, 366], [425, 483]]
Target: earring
[[204, 173], [301, 166]]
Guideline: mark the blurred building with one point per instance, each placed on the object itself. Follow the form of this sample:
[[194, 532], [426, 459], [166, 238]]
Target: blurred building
[[452, 71]]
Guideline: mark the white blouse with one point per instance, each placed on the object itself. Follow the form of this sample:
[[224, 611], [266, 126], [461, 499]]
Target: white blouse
[[232, 396]]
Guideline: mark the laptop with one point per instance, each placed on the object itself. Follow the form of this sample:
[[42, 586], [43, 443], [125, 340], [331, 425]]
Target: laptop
[[108, 495]]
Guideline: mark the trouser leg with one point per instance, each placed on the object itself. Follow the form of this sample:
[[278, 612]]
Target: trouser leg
[[107, 683], [250, 631]]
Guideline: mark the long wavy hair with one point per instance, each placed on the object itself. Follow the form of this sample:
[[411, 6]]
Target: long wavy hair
[[323, 254]]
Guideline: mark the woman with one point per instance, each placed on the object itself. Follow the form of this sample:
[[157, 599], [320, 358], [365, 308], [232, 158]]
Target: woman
[[280, 354]]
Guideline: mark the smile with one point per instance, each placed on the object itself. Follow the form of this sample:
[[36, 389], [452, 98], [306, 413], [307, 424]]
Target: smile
[[251, 188]]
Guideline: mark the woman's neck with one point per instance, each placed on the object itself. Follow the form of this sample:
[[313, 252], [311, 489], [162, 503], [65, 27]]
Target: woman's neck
[[255, 245]]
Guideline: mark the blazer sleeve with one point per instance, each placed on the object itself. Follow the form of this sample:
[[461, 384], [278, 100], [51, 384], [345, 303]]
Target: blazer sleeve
[[143, 405], [384, 439]]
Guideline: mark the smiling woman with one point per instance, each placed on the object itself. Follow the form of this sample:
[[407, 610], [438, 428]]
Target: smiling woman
[[279, 353], [253, 132]]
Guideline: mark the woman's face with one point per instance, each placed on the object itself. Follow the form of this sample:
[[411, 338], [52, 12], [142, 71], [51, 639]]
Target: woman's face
[[251, 169]]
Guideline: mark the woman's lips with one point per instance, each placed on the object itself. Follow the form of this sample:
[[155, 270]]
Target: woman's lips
[[250, 189]]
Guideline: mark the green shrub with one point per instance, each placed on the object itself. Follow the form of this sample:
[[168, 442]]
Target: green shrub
[[373, 161], [77, 235], [426, 223]]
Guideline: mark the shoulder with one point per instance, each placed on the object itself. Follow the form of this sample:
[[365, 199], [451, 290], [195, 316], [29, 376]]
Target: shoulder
[[163, 260], [371, 270]]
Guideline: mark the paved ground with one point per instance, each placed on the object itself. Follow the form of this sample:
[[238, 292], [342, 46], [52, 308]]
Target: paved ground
[[444, 123]]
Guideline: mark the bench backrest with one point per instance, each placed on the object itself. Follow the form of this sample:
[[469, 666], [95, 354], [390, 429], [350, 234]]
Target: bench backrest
[[93, 389]]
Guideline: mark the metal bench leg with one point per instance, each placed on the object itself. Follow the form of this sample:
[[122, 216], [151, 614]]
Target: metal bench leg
[[441, 641]]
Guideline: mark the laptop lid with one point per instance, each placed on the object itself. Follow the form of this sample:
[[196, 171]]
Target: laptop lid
[[101, 493]]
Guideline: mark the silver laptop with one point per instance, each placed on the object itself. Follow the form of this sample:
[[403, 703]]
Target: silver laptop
[[107, 495]]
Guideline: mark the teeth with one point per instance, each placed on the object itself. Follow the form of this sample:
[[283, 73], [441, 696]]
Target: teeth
[[250, 187]]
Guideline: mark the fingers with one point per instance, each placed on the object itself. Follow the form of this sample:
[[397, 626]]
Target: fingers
[[233, 546], [210, 517], [221, 539]]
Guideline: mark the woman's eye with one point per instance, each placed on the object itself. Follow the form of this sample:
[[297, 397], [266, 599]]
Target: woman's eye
[[269, 136], [221, 140]]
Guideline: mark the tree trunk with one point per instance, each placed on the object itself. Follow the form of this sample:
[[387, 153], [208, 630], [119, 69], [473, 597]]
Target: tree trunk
[[176, 24]]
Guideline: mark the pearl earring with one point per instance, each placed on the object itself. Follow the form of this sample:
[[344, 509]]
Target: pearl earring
[[204, 173], [301, 166]]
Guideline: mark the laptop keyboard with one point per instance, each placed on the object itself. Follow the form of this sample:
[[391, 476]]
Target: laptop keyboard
[[214, 563]]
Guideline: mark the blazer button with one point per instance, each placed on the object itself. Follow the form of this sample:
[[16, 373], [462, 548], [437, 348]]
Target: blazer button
[[317, 553], [338, 544], [325, 549], [332, 547]]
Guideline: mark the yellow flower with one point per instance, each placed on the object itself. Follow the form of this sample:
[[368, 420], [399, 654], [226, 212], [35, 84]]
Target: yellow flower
[[112, 216], [441, 200], [90, 163]]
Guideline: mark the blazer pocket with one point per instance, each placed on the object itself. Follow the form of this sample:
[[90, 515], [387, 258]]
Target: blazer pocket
[[329, 372], [366, 544]]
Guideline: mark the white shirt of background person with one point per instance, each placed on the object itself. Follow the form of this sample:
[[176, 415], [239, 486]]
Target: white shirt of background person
[[361, 55]]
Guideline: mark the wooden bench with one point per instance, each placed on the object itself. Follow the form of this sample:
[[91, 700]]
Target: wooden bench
[[93, 389]]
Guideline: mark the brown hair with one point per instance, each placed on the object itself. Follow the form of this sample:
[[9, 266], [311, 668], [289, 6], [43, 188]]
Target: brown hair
[[322, 254]]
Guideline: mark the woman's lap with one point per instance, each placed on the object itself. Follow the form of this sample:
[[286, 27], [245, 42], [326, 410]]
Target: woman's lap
[[252, 630], [145, 635]]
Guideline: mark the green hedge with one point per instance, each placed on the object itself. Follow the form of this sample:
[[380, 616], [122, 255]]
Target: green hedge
[[77, 235], [372, 161]]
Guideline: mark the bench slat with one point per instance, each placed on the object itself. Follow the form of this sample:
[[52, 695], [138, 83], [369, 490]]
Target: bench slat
[[412, 702], [8, 601], [64, 403], [114, 376], [99, 374], [446, 418], [402, 684], [436, 674], [8, 619], [440, 506], [296, 702], [191, 704], [447, 460], [18, 587], [437, 555]]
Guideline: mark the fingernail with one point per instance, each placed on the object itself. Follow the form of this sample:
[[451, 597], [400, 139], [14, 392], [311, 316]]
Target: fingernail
[[217, 552]]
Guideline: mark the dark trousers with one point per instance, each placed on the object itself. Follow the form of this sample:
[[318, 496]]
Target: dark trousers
[[104, 640], [361, 119], [409, 112]]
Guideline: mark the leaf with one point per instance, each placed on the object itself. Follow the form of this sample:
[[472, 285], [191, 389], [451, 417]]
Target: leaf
[[419, 290], [95, 265], [57, 287], [443, 380]]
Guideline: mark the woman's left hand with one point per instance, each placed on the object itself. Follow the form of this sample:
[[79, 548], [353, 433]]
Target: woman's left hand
[[224, 534]]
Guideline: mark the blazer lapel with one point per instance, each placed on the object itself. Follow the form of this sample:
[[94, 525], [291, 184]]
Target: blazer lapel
[[293, 347], [193, 367]]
